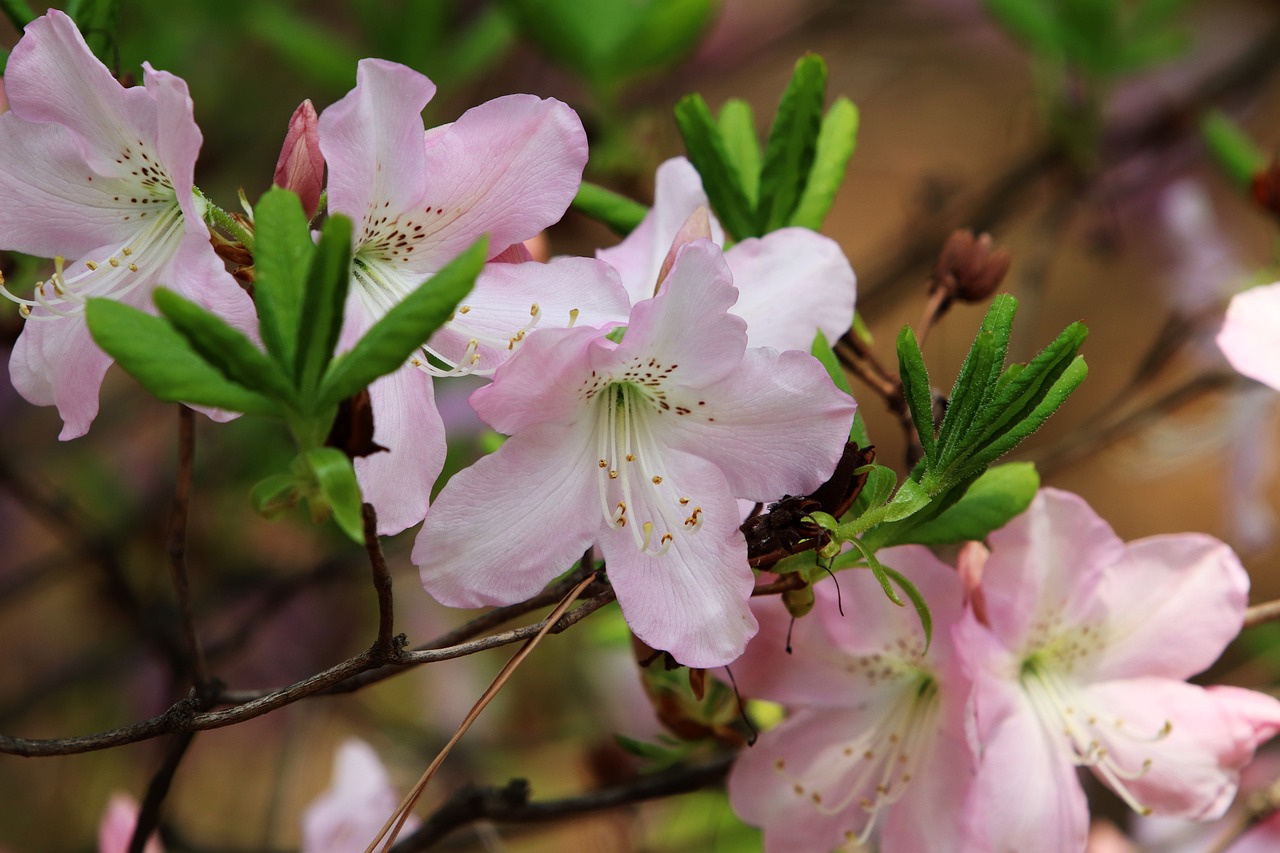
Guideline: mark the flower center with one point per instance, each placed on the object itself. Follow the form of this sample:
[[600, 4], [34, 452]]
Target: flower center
[[1090, 732], [873, 770], [634, 491]]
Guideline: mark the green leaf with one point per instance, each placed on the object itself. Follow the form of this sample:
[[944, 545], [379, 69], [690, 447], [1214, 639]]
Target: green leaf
[[917, 601], [793, 139], [909, 499], [879, 486], [153, 352], [227, 349], [1030, 21], [738, 130], [407, 326], [282, 252], [615, 210], [823, 352], [339, 490], [878, 569], [275, 494], [720, 178], [978, 379], [836, 141], [999, 495], [18, 12], [915, 387], [1057, 395], [97, 21], [328, 279], [1232, 149], [299, 39]]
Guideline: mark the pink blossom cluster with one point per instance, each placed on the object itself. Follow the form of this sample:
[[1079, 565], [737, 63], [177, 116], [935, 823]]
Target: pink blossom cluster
[[1060, 648]]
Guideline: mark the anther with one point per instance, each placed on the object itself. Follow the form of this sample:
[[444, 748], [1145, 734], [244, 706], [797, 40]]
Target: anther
[[126, 251], [91, 265], [133, 267], [113, 261]]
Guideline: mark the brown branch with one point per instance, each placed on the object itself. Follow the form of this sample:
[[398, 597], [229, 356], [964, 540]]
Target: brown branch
[[385, 644], [1259, 614], [510, 804], [177, 548], [149, 812], [786, 583]]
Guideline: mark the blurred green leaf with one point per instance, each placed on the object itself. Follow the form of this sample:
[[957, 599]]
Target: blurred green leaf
[[1033, 22], [390, 341], [720, 179], [793, 138], [155, 354], [312, 48], [339, 490], [738, 130], [18, 12], [1232, 149], [227, 349], [615, 210], [823, 352], [97, 20], [328, 279], [996, 497], [282, 253], [836, 141]]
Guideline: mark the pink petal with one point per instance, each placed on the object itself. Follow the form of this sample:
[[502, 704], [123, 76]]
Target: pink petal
[[117, 826], [405, 421], [350, 814], [692, 600], [792, 283], [1250, 336], [1192, 771], [372, 141], [521, 397], [579, 291], [1045, 566], [508, 168], [301, 164], [781, 411], [503, 528], [929, 817], [1203, 591], [177, 141], [677, 193]]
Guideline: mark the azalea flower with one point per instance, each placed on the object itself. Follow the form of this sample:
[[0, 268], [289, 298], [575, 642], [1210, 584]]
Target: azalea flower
[[791, 282], [103, 175], [639, 448], [875, 738], [1250, 336], [115, 830], [507, 168], [351, 813], [1081, 663]]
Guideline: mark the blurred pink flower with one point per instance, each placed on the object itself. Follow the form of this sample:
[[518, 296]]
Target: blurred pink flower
[[875, 739], [117, 826], [301, 165], [1082, 662], [351, 812], [94, 171], [791, 282], [1250, 336], [639, 447], [507, 168]]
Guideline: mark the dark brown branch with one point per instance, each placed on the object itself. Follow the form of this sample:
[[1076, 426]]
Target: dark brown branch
[[786, 583], [149, 813], [385, 643], [177, 548], [510, 804]]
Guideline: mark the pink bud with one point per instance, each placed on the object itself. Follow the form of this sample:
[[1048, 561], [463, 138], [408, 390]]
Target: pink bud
[[301, 165]]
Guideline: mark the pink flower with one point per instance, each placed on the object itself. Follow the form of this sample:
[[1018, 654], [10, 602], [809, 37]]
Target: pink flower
[[507, 168], [117, 826], [791, 282], [1082, 662], [301, 165], [1250, 336], [92, 171], [351, 813], [640, 448], [875, 738]]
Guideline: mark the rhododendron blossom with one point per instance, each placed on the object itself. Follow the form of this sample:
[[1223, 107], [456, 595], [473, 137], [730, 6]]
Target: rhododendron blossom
[[115, 830], [102, 175], [875, 738], [507, 168], [791, 282], [639, 448], [1082, 661], [1250, 336], [351, 812]]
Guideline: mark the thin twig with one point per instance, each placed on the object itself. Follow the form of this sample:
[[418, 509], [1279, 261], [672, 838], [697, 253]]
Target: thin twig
[[385, 644], [149, 812], [394, 824], [177, 547], [510, 804], [1260, 614]]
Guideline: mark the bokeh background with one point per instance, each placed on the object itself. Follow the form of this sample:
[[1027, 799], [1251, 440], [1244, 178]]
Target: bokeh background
[[1143, 239]]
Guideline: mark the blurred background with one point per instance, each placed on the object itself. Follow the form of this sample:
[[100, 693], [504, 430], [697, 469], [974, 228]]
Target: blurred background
[[1083, 157]]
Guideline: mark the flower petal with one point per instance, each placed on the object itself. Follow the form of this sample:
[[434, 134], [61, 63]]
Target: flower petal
[[406, 422], [177, 141], [372, 142], [1250, 336], [501, 529], [692, 600], [352, 811], [1199, 608], [791, 283], [521, 396]]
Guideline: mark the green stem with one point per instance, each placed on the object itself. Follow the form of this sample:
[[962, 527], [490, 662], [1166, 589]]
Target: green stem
[[215, 215]]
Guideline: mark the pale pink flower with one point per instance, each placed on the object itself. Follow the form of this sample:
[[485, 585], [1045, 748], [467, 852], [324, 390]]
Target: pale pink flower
[[103, 175], [507, 168], [117, 826], [875, 737], [351, 812], [791, 282], [639, 448], [1082, 662], [301, 165], [1250, 336]]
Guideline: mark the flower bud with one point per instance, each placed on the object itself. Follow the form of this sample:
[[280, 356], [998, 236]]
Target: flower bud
[[968, 269], [301, 165]]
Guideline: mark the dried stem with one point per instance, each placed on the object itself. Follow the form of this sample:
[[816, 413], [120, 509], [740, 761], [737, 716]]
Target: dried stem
[[385, 643], [149, 812], [177, 547]]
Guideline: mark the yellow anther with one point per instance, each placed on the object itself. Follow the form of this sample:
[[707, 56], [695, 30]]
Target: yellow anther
[[464, 309], [91, 265], [127, 251], [133, 267], [657, 481]]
